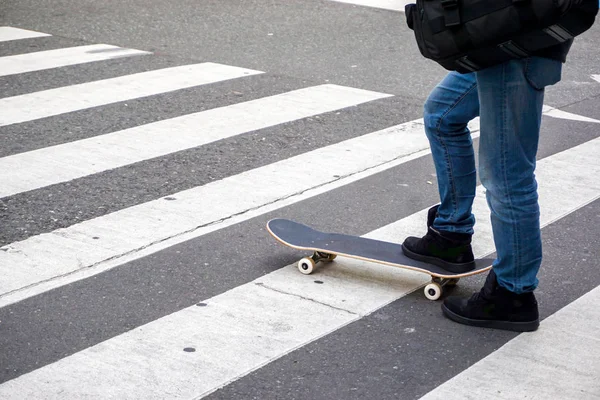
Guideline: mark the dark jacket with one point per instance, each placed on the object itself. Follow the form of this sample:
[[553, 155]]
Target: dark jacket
[[558, 52]]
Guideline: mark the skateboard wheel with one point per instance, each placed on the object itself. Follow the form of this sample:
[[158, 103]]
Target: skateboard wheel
[[433, 291], [306, 265]]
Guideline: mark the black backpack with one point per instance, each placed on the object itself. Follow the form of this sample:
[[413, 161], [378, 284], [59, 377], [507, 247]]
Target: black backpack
[[469, 35]]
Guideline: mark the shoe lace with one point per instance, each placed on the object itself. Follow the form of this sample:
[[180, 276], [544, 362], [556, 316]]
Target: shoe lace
[[480, 297], [486, 294], [477, 297]]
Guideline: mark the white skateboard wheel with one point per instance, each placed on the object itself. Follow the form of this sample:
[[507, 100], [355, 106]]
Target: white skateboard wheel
[[433, 291], [306, 265]]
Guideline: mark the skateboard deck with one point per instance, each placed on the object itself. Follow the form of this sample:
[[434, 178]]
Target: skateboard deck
[[326, 246]]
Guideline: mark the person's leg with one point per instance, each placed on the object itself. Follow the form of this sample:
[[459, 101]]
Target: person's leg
[[448, 109], [511, 97], [511, 114]]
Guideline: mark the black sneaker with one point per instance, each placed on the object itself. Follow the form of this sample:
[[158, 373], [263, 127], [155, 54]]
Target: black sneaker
[[449, 250], [495, 307]]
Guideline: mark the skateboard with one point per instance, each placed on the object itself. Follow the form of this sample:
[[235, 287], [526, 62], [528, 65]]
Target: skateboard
[[326, 246]]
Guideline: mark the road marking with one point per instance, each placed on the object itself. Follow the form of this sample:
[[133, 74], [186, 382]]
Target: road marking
[[394, 5], [32, 106], [8, 33], [562, 360], [560, 114], [78, 261], [41, 60], [51, 165], [253, 324], [93, 246], [596, 78]]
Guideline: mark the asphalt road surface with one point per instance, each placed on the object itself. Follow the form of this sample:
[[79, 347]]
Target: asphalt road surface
[[145, 144]]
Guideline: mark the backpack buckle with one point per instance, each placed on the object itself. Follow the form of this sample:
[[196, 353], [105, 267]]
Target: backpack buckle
[[449, 4], [451, 13]]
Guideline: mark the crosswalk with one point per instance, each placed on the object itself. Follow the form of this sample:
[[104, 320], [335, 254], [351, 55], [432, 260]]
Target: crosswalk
[[117, 149], [545, 358], [256, 310], [393, 5], [41, 60], [8, 33]]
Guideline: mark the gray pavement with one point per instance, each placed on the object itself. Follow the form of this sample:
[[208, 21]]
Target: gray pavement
[[402, 350]]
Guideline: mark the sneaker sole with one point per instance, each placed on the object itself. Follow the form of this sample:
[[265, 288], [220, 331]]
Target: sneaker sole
[[529, 326], [450, 267]]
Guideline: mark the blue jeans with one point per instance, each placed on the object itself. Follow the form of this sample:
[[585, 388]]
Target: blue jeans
[[509, 99]]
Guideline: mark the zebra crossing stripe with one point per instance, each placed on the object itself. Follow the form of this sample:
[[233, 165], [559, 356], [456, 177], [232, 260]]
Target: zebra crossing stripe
[[556, 113], [81, 249], [36, 255], [32, 106], [81, 255], [41, 60], [8, 33], [394, 5], [253, 324], [561, 360], [51, 165]]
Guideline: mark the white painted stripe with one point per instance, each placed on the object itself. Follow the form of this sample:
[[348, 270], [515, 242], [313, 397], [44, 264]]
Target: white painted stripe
[[32, 106], [108, 264], [559, 361], [596, 78], [8, 33], [22, 287], [394, 5], [41, 60], [67, 251], [560, 114], [65, 162], [253, 324]]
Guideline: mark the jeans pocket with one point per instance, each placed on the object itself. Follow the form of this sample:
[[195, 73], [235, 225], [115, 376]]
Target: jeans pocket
[[541, 72]]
